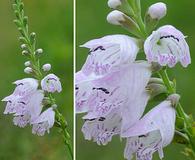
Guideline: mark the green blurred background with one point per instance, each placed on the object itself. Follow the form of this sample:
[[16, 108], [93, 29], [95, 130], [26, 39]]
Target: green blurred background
[[91, 23], [53, 23]]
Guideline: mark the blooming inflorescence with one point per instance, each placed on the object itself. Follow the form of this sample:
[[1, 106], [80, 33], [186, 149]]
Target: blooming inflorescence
[[32, 101], [113, 87]]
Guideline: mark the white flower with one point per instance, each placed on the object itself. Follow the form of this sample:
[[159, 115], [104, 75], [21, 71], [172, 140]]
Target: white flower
[[51, 83], [153, 132], [109, 53], [44, 122], [167, 46], [157, 10]]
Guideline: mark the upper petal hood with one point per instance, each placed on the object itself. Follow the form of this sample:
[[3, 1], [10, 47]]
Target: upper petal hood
[[109, 53]]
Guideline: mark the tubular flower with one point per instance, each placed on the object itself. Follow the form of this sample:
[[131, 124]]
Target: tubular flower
[[153, 132], [109, 53], [51, 83], [29, 110], [44, 122], [19, 98], [167, 46], [116, 93]]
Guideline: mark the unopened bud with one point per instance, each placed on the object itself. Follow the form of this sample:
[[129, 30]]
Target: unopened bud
[[119, 18], [25, 52], [54, 106], [32, 37], [114, 3], [22, 40], [28, 70], [156, 89], [46, 67], [39, 51], [157, 10], [33, 34], [23, 46], [156, 67], [27, 63], [174, 98], [115, 17]]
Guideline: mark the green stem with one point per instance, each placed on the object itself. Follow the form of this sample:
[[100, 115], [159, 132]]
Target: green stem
[[62, 124], [171, 90]]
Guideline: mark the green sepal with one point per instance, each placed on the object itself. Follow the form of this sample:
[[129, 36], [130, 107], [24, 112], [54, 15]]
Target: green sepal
[[180, 138], [180, 123]]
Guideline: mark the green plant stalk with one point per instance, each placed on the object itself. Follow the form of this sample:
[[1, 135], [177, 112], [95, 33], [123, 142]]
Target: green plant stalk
[[31, 46], [180, 111]]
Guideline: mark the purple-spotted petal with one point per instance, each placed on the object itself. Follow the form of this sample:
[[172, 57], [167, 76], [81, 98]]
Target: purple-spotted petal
[[44, 122], [153, 132], [28, 108], [25, 86], [118, 89], [109, 53], [51, 83], [102, 129], [83, 90], [167, 46]]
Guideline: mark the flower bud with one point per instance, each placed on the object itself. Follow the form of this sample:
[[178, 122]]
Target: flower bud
[[28, 70], [32, 37], [39, 51], [119, 18], [156, 89], [54, 106], [115, 17], [22, 40], [157, 10], [25, 52], [27, 63], [46, 67], [23, 46], [174, 98], [114, 3]]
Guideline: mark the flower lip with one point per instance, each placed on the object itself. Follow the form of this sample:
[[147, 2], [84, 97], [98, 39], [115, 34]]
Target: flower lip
[[167, 46]]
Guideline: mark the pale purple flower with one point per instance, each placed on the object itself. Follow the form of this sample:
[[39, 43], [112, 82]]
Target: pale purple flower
[[101, 130], [29, 109], [44, 122], [153, 132], [51, 83], [109, 53], [101, 97], [25, 86], [17, 101], [167, 46]]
